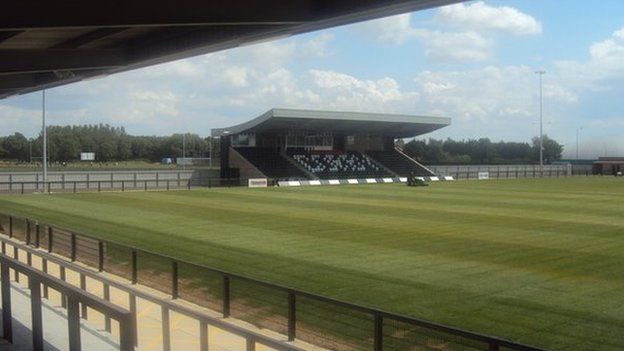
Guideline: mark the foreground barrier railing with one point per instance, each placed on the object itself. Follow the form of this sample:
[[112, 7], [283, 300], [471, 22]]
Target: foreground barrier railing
[[297, 314], [74, 296]]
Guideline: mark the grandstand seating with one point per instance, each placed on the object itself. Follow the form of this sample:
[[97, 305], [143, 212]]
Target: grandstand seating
[[338, 165], [271, 163], [398, 163]]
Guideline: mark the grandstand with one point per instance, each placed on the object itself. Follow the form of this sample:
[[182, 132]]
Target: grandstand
[[289, 144]]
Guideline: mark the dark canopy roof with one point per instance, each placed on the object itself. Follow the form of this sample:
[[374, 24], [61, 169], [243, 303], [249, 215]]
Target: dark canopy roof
[[49, 43], [282, 120]]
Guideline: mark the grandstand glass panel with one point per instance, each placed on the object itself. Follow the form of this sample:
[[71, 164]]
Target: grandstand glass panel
[[200, 286], [61, 242], [117, 260], [398, 335], [43, 237], [332, 326], [87, 251], [4, 223], [257, 304], [154, 271], [19, 228]]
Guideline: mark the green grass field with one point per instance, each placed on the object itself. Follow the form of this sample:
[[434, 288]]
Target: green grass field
[[539, 261]]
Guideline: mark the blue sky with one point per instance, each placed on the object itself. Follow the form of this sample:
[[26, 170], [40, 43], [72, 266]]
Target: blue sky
[[473, 62]]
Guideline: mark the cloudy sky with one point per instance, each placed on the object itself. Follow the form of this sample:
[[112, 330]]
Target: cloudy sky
[[473, 62]]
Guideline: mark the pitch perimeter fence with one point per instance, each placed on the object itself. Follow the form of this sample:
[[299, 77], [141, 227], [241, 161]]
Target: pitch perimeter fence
[[505, 171], [296, 314], [75, 186]]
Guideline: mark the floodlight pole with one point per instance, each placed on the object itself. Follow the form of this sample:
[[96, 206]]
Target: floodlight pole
[[45, 140], [541, 134], [578, 131], [184, 151]]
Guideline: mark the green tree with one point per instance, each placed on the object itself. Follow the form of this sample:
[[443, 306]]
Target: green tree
[[551, 149]]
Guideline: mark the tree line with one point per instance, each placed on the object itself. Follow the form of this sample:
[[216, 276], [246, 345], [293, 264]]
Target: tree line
[[481, 151], [65, 143]]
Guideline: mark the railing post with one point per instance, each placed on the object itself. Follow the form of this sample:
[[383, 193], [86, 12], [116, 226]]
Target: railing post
[[62, 276], [107, 319], [35, 313], [44, 268], [73, 247], [74, 186], [123, 186], [133, 310], [292, 316], [16, 257], [126, 334], [378, 337], [100, 256], [7, 318], [27, 232], [73, 324], [134, 267], [83, 286], [145, 184], [10, 226], [203, 335], [50, 239], [174, 279], [99, 186], [166, 330], [37, 235], [251, 343], [226, 296], [167, 184]]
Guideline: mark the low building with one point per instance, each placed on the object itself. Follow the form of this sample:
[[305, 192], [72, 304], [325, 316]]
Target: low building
[[609, 165]]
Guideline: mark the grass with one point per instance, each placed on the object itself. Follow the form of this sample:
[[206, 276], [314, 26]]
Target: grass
[[539, 261]]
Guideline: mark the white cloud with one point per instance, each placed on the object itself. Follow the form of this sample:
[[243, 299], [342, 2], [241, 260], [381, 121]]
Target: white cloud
[[490, 101], [479, 16], [473, 37], [606, 62], [457, 46], [342, 91], [394, 29]]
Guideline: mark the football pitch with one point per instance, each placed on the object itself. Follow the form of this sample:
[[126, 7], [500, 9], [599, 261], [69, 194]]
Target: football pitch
[[539, 261]]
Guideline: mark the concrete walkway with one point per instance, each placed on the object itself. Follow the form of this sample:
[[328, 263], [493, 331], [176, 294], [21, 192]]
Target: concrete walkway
[[54, 327]]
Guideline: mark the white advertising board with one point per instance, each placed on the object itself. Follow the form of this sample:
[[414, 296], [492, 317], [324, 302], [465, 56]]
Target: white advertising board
[[87, 156], [258, 182], [484, 175]]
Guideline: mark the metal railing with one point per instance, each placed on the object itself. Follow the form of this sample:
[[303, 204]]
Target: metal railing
[[74, 186], [501, 172], [74, 298], [134, 292], [317, 319]]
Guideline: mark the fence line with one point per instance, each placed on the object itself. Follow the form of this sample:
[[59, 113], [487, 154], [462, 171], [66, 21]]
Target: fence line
[[504, 171], [321, 320], [74, 186]]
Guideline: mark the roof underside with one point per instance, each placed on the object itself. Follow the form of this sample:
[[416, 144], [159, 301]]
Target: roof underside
[[50, 43], [284, 120]]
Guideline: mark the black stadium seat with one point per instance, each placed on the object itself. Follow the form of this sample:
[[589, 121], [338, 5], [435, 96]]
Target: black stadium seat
[[338, 165]]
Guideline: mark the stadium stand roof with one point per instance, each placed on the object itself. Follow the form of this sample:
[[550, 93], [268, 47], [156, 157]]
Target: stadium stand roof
[[279, 120], [44, 44]]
